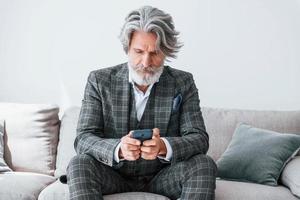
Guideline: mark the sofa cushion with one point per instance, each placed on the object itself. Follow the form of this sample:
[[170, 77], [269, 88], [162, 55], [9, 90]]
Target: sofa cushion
[[23, 185], [226, 190], [65, 149], [55, 191], [291, 176], [257, 155], [3, 165], [32, 136], [60, 191], [232, 190], [221, 123]]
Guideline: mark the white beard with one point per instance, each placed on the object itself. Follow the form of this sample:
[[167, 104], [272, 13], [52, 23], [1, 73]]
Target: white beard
[[145, 76]]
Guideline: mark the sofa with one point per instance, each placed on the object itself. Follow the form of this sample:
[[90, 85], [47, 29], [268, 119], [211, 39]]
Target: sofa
[[38, 145]]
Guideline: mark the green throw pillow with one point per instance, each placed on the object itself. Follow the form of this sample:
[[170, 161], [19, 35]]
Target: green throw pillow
[[257, 155]]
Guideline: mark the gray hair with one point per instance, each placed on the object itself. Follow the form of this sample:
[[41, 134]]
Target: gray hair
[[150, 19]]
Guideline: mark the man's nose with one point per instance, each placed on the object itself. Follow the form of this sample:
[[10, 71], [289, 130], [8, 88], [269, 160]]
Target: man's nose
[[146, 61]]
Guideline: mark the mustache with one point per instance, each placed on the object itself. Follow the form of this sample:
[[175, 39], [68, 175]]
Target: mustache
[[142, 75], [150, 69]]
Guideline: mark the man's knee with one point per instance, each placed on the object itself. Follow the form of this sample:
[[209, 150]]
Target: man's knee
[[202, 164], [81, 162]]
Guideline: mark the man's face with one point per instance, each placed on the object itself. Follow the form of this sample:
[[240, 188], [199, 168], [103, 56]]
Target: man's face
[[145, 61]]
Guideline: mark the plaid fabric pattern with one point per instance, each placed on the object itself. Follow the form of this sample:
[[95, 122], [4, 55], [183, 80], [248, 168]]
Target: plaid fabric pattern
[[190, 179], [86, 176], [105, 117], [141, 167]]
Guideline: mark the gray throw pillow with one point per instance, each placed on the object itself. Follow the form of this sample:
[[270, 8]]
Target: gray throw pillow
[[3, 165], [257, 155]]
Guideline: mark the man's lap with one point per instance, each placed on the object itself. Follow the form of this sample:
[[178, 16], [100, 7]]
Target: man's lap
[[167, 182]]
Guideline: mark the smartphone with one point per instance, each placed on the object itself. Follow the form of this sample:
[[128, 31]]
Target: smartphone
[[142, 134]]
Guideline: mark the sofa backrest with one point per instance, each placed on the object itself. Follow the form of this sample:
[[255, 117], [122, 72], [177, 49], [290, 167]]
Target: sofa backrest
[[30, 136], [65, 149], [221, 123]]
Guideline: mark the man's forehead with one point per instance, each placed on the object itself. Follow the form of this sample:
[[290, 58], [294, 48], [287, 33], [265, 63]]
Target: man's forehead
[[144, 41]]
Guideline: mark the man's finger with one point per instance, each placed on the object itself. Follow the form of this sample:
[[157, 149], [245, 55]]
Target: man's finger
[[131, 147], [149, 143], [132, 155], [148, 156], [156, 132], [130, 133], [132, 141], [147, 149]]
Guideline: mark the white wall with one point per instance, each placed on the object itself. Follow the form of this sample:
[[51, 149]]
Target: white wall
[[243, 54]]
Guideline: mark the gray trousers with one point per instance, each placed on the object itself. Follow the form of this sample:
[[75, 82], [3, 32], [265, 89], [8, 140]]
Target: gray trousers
[[192, 179]]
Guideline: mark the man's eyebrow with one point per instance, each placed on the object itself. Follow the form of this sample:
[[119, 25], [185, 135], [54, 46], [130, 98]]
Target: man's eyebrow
[[138, 49]]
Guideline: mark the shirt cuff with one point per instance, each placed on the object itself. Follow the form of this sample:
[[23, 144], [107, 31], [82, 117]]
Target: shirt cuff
[[169, 150], [116, 153]]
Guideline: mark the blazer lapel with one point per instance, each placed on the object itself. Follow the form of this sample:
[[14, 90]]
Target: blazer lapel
[[120, 91], [164, 94]]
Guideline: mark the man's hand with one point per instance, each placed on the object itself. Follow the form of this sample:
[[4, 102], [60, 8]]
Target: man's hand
[[154, 147], [130, 148]]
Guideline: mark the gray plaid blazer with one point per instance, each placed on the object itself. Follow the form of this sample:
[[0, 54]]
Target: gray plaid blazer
[[104, 114]]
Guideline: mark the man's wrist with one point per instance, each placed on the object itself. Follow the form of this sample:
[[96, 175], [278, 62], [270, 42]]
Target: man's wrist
[[120, 154]]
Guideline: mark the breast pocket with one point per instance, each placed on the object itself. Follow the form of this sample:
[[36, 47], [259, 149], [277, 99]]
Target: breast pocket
[[176, 103]]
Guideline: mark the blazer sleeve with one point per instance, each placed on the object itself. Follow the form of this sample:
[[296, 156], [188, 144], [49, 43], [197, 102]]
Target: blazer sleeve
[[90, 128], [193, 137]]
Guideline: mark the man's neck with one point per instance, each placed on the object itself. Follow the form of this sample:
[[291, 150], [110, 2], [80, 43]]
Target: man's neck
[[142, 88]]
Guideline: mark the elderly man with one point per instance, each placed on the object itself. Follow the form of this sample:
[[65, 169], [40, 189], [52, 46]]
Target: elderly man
[[142, 94]]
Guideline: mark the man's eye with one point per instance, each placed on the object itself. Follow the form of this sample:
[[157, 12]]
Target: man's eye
[[138, 51], [155, 53]]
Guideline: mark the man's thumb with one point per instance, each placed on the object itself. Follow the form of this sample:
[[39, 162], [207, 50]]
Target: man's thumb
[[155, 132]]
